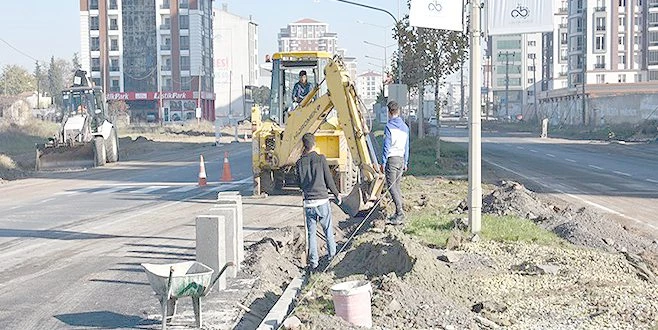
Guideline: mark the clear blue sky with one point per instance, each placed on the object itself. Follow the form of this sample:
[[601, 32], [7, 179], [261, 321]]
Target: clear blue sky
[[43, 28]]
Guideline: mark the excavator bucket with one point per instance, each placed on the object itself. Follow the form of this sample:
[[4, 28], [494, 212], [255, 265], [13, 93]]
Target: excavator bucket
[[353, 202], [65, 158]]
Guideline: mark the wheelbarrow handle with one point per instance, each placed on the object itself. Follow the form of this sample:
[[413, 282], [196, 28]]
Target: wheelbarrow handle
[[171, 275], [227, 265]]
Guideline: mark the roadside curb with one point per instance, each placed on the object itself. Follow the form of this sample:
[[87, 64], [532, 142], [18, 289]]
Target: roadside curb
[[282, 307]]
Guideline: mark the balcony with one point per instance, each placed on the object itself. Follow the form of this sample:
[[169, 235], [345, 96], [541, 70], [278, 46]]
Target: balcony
[[600, 28], [165, 68], [563, 74], [165, 47], [599, 66], [563, 25], [114, 27], [165, 27], [599, 9], [95, 68], [563, 11], [115, 69]]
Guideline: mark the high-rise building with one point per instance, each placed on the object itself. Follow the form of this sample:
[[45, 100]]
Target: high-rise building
[[154, 54], [368, 85], [307, 34], [612, 41], [555, 50], [236, 62]]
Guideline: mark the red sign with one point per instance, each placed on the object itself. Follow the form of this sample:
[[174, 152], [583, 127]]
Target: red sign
[[131, 96]]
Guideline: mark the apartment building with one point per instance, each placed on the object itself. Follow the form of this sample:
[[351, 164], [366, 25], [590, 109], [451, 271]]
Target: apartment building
[[612, 41], [307, 34], [154, 54], [368, 85]]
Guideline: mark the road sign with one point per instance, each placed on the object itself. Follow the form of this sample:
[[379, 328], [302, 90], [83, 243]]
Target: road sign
[[398, 93]]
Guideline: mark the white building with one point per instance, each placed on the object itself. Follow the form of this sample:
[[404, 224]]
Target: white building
[[368, 86], [236, 61], [517, 70], [307, 34]]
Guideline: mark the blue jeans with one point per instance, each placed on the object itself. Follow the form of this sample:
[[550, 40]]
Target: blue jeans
[[321, 214]]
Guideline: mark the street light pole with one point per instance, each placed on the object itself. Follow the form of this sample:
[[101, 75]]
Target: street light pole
[[474, 147], [396, 24]]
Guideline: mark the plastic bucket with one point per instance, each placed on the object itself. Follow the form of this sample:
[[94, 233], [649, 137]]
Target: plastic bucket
[[352, 302]]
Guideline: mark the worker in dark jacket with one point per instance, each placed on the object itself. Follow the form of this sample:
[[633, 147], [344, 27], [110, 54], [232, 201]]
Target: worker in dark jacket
[[315, 179]]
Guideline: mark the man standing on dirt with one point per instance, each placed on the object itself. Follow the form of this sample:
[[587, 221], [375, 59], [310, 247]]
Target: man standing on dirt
[[395, 158], [315, 179]]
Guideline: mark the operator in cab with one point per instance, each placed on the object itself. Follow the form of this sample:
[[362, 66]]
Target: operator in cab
[[301, 88]]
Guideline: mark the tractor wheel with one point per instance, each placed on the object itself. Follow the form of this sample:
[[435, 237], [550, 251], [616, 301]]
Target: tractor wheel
[[112, 147], [99, 151], [266, 182]]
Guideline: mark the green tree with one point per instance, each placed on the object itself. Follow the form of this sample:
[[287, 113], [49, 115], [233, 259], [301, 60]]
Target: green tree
[[262, 95], [117, 109], [60, 75], [16, 80], [76, 62]]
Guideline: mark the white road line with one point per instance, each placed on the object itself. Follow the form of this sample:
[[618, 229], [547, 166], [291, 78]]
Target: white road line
[[110, 190], [550, 155], [622, 173], [596, 167], [520, 148], [66, 193], [184, 189], [533, 150], [652, 181], [147, 190], [599, 206], [46, 200], [570, 160]]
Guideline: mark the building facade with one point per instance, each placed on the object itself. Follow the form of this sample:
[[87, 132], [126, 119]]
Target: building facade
[[307, 34], [155, 54], [368, 86], [236, 62]]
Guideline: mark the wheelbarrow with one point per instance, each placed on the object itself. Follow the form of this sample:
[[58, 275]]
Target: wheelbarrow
[[184, 279]]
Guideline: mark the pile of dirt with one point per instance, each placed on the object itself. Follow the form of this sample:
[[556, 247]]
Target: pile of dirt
[[488, 285], [580, 226]]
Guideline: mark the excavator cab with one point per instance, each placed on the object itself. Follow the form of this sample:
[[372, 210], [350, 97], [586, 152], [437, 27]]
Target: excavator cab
[[285, 73]]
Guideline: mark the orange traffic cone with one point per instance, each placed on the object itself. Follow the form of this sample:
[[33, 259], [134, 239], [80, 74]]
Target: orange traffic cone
[[202, 173], [226, 176]]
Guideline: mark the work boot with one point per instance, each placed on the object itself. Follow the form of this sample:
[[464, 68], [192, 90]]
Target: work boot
[[396, 220]]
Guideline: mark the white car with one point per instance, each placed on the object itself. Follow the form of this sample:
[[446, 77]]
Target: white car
[[432, 121]]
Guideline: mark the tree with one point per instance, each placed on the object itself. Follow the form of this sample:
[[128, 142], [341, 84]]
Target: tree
[[262, 95], [16, 80], [428, 56], [76, 62], [60, 75], [117, 109]]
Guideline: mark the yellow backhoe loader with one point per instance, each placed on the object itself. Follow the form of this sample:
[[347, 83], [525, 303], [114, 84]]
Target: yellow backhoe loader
[[333, 112]]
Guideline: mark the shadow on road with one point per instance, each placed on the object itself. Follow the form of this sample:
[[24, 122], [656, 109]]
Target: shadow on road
[[104, 320], [71, 235]]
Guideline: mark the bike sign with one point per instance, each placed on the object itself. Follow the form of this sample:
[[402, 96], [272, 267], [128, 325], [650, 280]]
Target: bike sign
[[520, 16], [520, 12], [436, 14]]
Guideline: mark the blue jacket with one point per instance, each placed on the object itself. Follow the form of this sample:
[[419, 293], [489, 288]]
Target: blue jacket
[[300, 91], [396, 140]]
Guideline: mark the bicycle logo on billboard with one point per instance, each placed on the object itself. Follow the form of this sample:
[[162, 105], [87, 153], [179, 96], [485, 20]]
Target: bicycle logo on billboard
[[520, 12], [435, 6]]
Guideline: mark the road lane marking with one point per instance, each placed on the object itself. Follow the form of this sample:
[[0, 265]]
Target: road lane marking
[[570, 160], [596, 167], [622, 173], [652, 181], [46, 201], [533, 150], [561, 191], [110, 190], [550, 155], [521, 148], [66, 193], [184, 189], [147, 190]]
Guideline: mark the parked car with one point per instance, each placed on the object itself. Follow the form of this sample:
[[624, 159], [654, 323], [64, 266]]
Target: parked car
[[432, 121]]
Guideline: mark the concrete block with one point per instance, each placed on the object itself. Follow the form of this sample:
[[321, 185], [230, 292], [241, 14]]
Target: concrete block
[[210, 244], [234, 197], [229, 216]]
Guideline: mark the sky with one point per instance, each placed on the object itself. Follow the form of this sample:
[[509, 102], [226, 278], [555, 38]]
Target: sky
[[45, 28]]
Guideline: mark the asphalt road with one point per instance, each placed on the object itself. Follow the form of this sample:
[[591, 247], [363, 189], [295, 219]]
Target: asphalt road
[[71, 244], [619, 179]]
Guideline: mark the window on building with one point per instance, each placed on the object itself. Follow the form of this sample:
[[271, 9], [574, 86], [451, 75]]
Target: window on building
[[114, 44], [600, 79], [114, 24], [532, 56], [531, 68], [531, 81], [114, 86], [95, 44], [114, 64], [166, 22], [95, 64], [638, 77], [509, 44], [622, 3], [93, 23], [564, 38], [653, 19], [113, 4], [600, 43], [532, 43], [186, 83], [166, 84], [652, 57], [184, 42], [183, 3], [185, 63], [600, 24], [166, 43], [622, 40], [165, 4], [622, 59], [621, 78], [622, 21], [531, 93], [96, 81], [652, 38], [184, 22], [93, 4]]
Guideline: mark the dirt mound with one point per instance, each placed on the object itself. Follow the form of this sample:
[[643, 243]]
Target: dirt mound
[[581, 226]]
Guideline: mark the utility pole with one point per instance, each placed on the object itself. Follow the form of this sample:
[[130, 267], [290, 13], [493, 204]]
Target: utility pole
[[584, 79], [38, 85], [475, 141], [534, 83], [198, 116], [462, 97]]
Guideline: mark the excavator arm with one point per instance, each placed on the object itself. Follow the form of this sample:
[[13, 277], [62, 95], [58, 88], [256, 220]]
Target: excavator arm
[[310, 114]]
